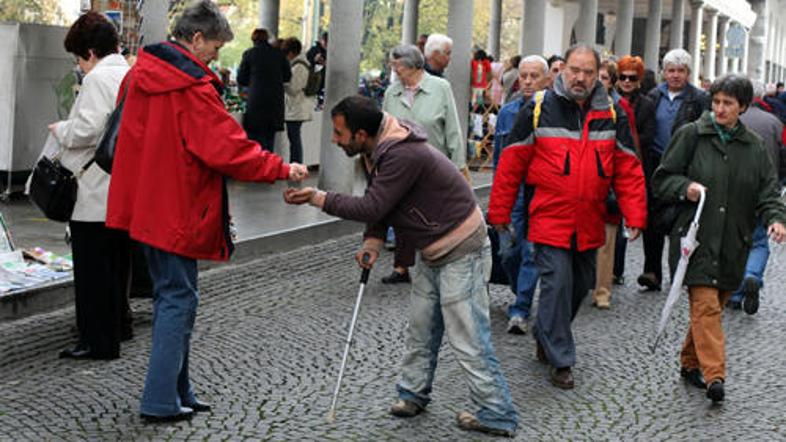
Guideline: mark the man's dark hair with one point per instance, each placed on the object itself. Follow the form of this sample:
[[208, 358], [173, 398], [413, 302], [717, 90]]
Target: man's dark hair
[[92, 31], [779, 84], [292, 46], [736, 86], [583, 47], [205, 17], [555, 58], [359, 113], [260, 35]]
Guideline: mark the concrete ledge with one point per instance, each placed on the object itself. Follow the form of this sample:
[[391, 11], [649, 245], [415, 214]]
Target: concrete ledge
[[54, 295]]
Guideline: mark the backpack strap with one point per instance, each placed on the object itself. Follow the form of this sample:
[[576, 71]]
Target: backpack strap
[[612, 110], [538, 105]]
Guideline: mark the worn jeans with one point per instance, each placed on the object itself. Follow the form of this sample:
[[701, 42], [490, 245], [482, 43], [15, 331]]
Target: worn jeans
[[453, 299], [175, 300], [757, 259], [517, 257]]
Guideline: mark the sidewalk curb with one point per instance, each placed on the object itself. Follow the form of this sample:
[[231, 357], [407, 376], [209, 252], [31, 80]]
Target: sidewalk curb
[[59, 294]]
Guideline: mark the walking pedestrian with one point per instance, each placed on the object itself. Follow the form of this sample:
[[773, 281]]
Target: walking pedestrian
[[572, 149], [299, 107], [176, 147], [438, 50], [416, 189], [719, 154]]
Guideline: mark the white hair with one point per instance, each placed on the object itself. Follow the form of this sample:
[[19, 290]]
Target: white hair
[[437, 42], [536, 59], [678, 57], [758, 88]]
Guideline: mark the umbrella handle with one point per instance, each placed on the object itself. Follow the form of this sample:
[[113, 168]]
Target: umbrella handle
[[702, 199]]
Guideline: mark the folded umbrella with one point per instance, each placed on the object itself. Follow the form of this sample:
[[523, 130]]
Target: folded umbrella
[[688, 245]]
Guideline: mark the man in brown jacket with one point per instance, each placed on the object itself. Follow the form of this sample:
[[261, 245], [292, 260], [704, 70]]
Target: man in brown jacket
[[416, 189]]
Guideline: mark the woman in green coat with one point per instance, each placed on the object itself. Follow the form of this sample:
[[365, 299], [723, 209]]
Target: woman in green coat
[[719, 154]]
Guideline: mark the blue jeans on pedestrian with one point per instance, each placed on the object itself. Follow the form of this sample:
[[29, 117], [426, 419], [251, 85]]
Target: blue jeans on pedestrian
[[175, 299], [757, 259], [517, 260], [453, 299]]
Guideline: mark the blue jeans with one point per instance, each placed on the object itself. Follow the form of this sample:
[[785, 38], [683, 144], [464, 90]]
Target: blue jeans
[[175, 299], [757, 259], [518, 261], [453, 299]]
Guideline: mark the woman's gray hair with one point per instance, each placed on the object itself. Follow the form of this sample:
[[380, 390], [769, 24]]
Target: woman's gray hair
[[758, 89], [536, 59], [409, 56], [678, 57], [205, 17]]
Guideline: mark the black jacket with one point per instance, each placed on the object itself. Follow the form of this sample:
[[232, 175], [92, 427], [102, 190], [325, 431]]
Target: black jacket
[[644, 111], [695, 102], [264, 70]]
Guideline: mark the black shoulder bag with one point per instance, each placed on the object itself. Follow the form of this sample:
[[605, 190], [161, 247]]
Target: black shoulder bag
[[53, 188], [663, 214], [105, 149]]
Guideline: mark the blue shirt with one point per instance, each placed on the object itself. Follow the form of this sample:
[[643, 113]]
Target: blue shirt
[[665, 115], [505, 120]]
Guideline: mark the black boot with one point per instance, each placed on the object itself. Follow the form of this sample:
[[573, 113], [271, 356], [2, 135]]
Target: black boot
[[693, 377]]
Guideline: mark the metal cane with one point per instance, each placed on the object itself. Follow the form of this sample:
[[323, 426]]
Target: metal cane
[[331, 416]]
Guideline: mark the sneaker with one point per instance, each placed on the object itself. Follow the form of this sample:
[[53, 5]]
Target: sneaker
[[396, 278], [468, 422], [715, 391], [750, 297], [618, 280], [734, 305], [601, 298], [562, 378], [649, 281], [405, 408], [517, 325], [390, 245], [693, 377]]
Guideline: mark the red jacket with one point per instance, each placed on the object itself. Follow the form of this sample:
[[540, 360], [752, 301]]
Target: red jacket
[[176, 145], [571, 159]]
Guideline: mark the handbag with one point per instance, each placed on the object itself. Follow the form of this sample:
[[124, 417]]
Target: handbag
[[53, 189], [663, 214], [105, 149]]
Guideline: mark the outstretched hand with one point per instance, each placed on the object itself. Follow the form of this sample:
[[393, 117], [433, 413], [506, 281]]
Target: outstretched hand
[[299, 196], [298, 172]]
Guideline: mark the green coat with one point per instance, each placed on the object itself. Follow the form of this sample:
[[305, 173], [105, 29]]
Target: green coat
[[741, 187]]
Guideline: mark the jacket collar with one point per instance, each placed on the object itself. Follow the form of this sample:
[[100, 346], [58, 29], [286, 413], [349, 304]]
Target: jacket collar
[[705, 126], [599, 98], [686, 93], [427, 85]]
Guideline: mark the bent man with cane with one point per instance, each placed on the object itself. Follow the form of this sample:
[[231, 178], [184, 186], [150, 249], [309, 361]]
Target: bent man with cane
[[416, 189]]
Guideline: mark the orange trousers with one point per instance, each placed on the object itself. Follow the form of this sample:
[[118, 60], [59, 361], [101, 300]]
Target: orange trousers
[[704, 345]]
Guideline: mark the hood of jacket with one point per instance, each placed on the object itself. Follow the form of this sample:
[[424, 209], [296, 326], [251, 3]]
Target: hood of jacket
[[396, 131], [598, 99], [165, 67]]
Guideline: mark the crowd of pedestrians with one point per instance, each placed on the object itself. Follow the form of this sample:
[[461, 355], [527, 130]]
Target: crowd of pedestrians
[[589, 153]]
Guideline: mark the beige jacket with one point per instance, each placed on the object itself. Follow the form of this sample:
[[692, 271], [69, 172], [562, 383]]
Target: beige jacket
[[298, 106]]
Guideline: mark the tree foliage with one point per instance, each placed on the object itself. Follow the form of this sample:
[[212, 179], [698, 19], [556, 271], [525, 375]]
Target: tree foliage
[[32, 11]]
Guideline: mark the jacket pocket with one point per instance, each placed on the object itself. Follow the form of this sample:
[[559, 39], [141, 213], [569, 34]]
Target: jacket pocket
[[418, 215], [604, 161]]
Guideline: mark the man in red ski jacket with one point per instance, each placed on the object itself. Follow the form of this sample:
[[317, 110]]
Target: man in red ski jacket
[[176, 146], [571, 149]]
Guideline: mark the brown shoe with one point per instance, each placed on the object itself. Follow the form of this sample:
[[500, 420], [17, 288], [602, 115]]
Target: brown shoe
[[561, 378], [468, 422], [540, 353], [404, 408]]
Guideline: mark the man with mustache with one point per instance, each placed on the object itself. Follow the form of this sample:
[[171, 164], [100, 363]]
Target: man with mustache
[[571, 148]]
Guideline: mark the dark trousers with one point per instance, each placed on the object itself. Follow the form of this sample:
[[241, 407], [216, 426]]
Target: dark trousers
[[621, 248], [295, 141], [101, 281], [653, 253], [566, 276], [266, 137]]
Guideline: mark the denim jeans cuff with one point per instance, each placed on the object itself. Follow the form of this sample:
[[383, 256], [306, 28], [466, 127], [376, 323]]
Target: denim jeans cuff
[[507, 422], [407, 395]]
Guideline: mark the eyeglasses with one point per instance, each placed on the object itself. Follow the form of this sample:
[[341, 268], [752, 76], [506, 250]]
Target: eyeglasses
[[631, 78]]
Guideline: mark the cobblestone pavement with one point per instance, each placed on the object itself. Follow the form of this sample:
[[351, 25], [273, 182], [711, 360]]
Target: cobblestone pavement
[[268, 344]]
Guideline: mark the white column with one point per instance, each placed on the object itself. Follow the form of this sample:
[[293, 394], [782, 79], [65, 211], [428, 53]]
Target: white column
[[677, 24], [712, 42], [154, 22], [495, 26], [586, 25], [695, 39], [336, 170], [460, 14], [268, 16], [652, 42], [533, 32], [624, 32], [723, 60], [754, 64], [409, 25]]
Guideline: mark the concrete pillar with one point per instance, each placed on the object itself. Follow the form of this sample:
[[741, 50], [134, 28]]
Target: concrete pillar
[[697, 9], [495, 26], [268, 16], [533, 32], [609, 30], [409, 26], [712, 42], [336, 170], [677, 24], [735, 66], [723, 60], [742, 62], [652, 43], [624, 32], [154, 22], [460, 13], [757, 38], [586, 25]]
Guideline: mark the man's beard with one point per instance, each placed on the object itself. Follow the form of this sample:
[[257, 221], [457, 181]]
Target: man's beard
[[352, 149], [579, 96]]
